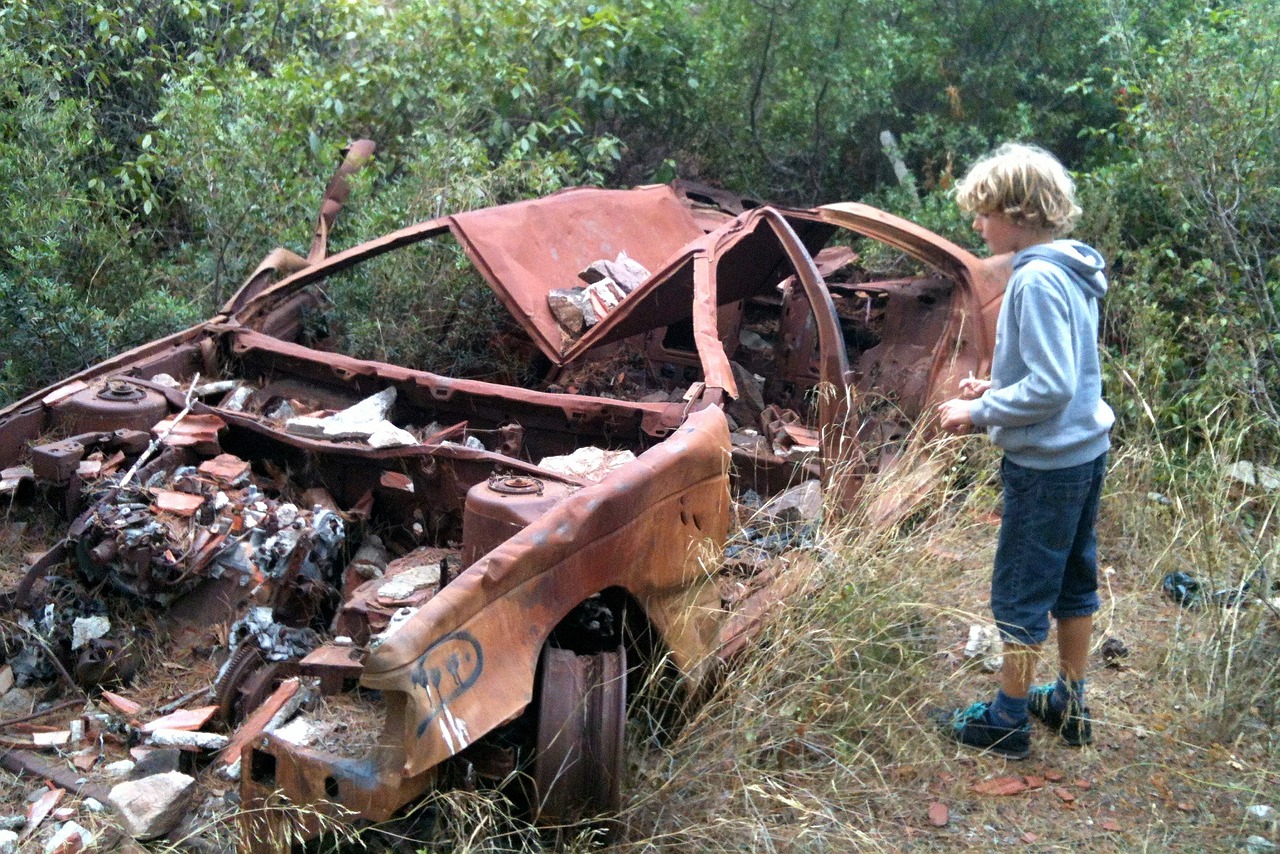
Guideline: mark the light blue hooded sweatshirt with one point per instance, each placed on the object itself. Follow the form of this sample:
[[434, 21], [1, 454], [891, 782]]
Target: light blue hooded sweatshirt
[[1045, 406]]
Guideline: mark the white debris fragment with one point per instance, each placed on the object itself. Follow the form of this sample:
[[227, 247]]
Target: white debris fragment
[[984, 643], [286, 514], [238, 399], [93, 805], [166, 380], [8, 842], [121, 768], [305, 425], [404, 584], [183, 738], [1262, 812], [1251, 474], [299, 731], [590, 463], [65, 834], [388, 435], [152, 806], [85, 629], [359, 421], [217, 387], [473, 443]]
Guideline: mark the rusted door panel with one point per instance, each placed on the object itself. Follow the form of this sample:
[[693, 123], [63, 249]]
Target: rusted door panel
[[466, 661]]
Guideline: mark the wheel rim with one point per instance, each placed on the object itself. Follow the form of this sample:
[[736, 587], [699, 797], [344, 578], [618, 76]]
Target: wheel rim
[[582, 715]]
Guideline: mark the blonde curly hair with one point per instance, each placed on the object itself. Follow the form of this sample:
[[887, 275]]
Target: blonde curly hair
[[1024, 182]]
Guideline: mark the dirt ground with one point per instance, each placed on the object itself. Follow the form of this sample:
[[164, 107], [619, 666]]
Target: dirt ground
[[1166, 771]]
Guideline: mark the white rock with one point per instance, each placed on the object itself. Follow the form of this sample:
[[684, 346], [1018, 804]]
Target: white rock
[[216, 387], [1264, 812], [305, 425], [238, 399], [85, 629], [1250, 474], [359, 421], [153, 806], [984, 643], [93, 805], [286, 514], [166, 380], [64, 835], [589, 463], [404, 584], [388, 435], [8, 842], [183, 738], [299, 731], [1259, 845], [122, 768]]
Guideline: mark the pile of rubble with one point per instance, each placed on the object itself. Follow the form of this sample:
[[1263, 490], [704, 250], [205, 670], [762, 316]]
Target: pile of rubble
[[578, 309]]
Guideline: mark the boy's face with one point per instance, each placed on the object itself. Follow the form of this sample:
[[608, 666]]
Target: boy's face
[[1003, 235], [997, 230]]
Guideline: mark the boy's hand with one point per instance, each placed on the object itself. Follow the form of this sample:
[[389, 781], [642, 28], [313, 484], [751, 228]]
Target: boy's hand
[[955, 415], [972, 388]]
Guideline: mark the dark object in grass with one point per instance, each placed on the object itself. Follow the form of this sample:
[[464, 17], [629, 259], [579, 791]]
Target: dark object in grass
[[1188, 592], [1114, 652]]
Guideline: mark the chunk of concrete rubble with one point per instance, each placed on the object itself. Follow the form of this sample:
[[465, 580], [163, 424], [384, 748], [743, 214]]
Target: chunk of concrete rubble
[[388, 435], [119, 768], [183, 738], [359, 421], [299, 731], [626, 272], [16, 702], [572, 309], [984, 644], [589, 463], [8, 842], [1251, 474], [70, 838], [154, 805], [1261, 812], [85, 629], [801, 503]]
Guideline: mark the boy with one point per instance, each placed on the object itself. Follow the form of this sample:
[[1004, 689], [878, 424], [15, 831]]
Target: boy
[[1043, 405]]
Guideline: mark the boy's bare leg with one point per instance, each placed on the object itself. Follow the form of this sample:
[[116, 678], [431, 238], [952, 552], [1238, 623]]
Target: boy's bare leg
[[1019, 668], [1074, 635]]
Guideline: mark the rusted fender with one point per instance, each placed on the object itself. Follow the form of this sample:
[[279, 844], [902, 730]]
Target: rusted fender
[[465, 663]]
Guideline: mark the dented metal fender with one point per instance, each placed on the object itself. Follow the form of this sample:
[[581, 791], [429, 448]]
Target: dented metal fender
[[465, 663]]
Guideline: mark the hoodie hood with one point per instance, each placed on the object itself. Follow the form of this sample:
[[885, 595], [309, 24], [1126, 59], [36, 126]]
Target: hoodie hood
[[1083, 262]]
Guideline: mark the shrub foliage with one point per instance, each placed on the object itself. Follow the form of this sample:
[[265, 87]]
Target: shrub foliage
[[151, 151]]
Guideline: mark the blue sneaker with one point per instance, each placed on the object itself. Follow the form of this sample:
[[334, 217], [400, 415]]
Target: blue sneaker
[[1072, 723], [973, 728]]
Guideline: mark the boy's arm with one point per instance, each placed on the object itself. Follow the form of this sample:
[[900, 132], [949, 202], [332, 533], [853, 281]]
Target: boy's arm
[[1045, 345]]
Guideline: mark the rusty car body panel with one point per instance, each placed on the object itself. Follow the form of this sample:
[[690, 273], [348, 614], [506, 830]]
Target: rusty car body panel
[[769, 357]]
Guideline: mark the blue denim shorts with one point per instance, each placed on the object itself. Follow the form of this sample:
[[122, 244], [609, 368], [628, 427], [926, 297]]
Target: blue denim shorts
[[1047, 557]]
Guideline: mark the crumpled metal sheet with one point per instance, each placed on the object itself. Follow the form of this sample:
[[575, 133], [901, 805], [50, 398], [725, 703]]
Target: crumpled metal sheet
[[528, 248]]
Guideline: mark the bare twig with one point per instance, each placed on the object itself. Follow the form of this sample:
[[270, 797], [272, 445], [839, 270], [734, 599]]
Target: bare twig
[[157, 441]]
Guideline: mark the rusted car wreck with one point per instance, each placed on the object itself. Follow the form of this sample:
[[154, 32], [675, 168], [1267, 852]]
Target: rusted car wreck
[[483, 571]]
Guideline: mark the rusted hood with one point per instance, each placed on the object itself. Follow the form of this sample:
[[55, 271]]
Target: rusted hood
[[526, 249]]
